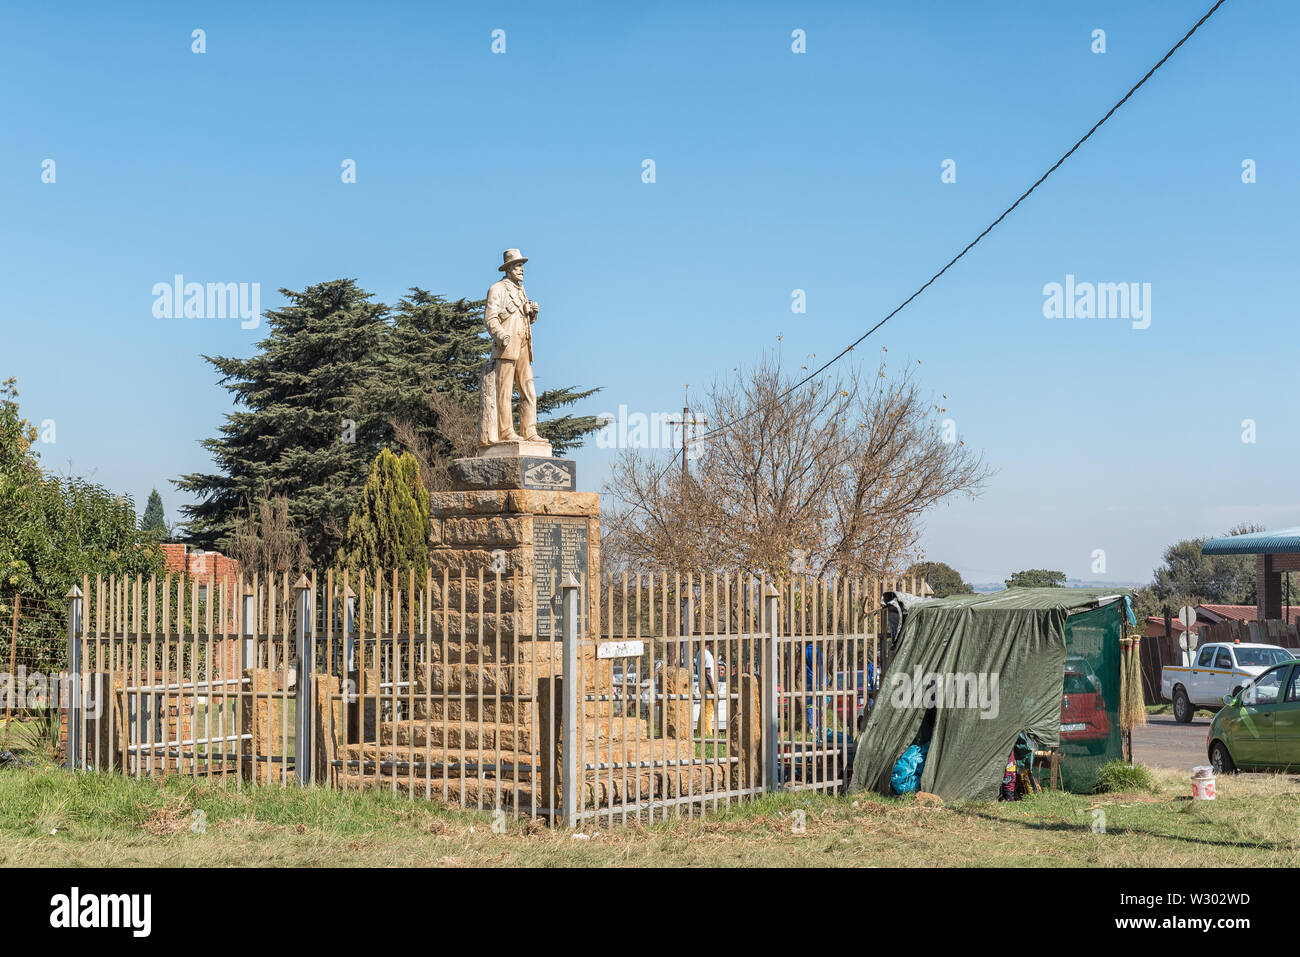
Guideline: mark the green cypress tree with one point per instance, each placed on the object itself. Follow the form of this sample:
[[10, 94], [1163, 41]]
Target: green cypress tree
[[390, 527], [304, 430], [154, 520]]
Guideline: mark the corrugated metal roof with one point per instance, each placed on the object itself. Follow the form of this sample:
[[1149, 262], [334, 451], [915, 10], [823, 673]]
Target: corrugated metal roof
[[1283, 541]]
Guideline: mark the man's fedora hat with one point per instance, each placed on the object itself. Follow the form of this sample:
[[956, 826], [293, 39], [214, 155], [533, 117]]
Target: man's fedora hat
[[511, 256]]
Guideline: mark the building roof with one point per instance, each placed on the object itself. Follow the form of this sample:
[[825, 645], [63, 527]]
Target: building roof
[[1236, 612], [1175, 625], [1241, 612], [1282, 541], [1213, 614]]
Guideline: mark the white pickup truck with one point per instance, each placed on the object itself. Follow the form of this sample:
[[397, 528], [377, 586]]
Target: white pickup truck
[[1217, 669]]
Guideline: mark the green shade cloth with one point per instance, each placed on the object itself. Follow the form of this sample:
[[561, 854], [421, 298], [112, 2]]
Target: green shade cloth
[[1001, 659]]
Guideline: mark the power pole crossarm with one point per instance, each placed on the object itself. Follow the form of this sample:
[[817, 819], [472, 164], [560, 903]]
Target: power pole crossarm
[[686, 421]]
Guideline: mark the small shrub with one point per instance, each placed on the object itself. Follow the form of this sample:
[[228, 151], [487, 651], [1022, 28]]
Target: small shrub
[[1122, 776]]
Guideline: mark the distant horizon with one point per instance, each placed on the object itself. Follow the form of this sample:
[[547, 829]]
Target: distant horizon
[[987, 587]]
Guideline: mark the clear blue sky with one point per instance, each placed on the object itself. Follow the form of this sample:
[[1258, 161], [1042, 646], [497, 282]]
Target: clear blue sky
[[775, 171]]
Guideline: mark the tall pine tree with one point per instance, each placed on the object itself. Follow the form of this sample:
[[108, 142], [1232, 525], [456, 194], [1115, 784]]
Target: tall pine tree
[[431, 346], [333, 356], [390, 528], [154, 520], [303, 429]]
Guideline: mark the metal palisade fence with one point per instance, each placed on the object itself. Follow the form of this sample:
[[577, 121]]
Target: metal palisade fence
[[650, 696]]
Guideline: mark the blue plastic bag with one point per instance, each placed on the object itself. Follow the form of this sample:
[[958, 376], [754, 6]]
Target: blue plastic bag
[[906, 776]]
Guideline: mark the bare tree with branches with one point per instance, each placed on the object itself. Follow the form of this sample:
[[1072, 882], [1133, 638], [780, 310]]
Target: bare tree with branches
[[829, 478], [457, 424], [265, 541]]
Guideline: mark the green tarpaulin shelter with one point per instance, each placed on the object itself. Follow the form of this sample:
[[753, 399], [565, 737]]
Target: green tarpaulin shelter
[[974, 671]]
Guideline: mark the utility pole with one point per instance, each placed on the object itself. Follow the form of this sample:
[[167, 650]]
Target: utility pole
[[686, 612], [686, 421]]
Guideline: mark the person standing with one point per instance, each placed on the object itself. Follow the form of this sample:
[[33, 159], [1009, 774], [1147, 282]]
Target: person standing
[[705, 665], [814, 681]]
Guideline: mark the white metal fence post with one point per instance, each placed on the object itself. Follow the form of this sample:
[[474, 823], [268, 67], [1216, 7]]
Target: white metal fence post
[[771, 706], [349, 633], [306, 649], [246, 630], [76, 742], [570, 685]]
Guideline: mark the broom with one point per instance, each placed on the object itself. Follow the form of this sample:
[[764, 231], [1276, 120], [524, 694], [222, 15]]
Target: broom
[[1132, 704]]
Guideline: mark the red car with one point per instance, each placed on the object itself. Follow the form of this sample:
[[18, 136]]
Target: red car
[[1083, 713]]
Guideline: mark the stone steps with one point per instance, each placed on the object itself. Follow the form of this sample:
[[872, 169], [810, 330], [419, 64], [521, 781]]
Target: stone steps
[[465, 761], [500, 678], [416, 732], [600, 788], [492, 762], [644, 784], [601, 751], [468, 792], [508, 711], [482, 667]]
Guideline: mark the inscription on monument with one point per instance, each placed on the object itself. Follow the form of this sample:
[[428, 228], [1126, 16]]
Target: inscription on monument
[[559, 547], [557, 474]]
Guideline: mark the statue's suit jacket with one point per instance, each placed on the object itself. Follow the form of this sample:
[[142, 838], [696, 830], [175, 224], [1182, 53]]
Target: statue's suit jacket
[[507, 315]]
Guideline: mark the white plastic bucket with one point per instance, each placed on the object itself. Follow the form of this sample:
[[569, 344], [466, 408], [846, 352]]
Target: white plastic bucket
[[1203, 783]]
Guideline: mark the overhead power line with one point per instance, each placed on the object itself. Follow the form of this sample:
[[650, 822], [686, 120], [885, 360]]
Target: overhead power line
[[974, 242]]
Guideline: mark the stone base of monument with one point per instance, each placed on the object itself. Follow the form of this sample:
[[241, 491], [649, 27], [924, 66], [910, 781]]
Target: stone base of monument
[[512, 529], [480, 718], [485, 708], [506, 472], [504, 540], [516, 448], [490, 778]]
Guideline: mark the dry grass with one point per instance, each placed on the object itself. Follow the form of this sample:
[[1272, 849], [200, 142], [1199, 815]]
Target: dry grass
[[48, 817]]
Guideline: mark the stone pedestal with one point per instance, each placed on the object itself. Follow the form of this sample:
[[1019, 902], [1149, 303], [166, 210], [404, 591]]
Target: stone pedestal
[[488, 696], [518, 516], [517, 448], [506, 472]]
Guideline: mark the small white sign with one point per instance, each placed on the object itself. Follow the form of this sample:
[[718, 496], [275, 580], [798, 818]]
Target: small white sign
[[1187, 615], [620, 649]]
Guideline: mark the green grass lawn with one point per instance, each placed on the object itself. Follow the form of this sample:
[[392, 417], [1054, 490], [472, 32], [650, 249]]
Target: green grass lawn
[[51, 817]]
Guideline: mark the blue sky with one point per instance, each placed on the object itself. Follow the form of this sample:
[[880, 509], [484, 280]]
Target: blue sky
[[774, 172]]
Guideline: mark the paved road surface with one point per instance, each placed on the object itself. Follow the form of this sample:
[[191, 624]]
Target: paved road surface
[[1164, 743]]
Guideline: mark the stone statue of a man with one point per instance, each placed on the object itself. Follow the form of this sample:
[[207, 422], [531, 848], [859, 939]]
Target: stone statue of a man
[[510, 315]]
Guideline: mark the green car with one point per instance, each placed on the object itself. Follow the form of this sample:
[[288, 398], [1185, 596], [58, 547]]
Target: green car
[[1258, 728]]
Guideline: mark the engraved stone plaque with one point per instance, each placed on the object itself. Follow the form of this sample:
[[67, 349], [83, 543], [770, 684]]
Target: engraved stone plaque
[[514, 471], [557, 474], [559, 547]]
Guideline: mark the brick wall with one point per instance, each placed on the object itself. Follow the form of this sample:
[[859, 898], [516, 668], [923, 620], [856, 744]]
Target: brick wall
[[204, 567], [199, 564]]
